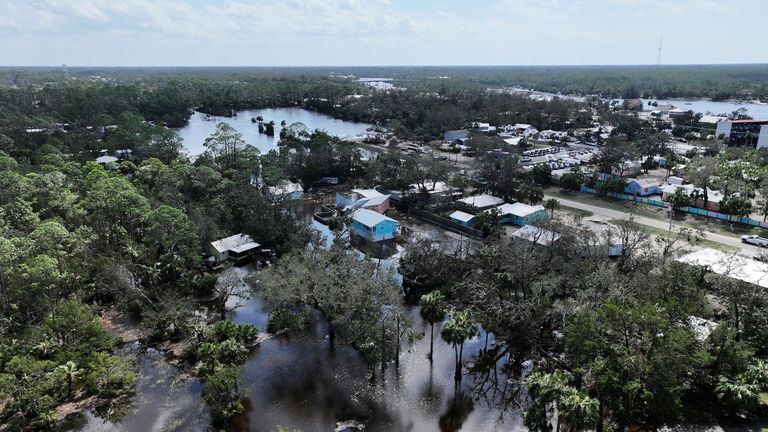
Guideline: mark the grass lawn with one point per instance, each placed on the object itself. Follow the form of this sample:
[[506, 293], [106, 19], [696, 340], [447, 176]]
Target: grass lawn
[[576, 212]]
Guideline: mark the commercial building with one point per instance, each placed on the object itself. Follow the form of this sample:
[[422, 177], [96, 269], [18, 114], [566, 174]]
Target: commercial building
[[744, 132]]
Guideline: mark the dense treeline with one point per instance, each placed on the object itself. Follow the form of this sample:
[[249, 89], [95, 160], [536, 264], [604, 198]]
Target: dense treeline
[[667, 81]]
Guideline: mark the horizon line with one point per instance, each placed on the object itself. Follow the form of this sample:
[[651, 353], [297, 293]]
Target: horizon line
[[389, 66]]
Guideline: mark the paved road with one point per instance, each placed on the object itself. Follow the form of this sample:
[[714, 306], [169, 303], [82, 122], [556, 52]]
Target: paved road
[[606, 214]]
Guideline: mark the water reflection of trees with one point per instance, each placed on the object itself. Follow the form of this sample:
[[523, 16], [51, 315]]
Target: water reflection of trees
[[497, 381]]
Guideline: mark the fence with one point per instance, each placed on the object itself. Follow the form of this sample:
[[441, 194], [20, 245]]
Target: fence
[[445, 223], [691, 210]]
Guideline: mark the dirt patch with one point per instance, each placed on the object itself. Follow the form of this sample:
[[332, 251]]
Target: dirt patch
[[74, 407], [120, 325]]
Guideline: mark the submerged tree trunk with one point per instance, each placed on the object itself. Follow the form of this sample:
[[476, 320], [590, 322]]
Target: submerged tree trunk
[[431, 341]]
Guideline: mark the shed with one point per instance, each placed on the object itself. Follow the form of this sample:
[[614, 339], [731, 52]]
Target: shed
[[520, 213], [462, 218], [482, 202], [373, 226], [237, 247]]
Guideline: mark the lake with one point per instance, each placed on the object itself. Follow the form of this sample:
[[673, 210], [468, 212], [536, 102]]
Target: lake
[[302, 382], [201, 126]]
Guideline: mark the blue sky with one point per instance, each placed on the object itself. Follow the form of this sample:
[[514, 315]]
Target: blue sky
[[380, 32]]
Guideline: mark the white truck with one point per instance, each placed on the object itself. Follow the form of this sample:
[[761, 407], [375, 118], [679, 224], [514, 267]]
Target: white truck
[[755, 240]]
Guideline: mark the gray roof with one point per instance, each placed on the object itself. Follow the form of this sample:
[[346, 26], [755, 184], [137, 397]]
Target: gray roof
[[461, 216], [237, 243], [518, 209], [537, 234], [106, 159], [482, 201]]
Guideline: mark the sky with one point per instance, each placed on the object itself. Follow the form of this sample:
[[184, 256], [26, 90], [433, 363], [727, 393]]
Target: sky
[[380, 32]]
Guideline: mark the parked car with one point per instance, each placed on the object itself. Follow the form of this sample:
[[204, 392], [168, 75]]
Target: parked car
[[755, 240]]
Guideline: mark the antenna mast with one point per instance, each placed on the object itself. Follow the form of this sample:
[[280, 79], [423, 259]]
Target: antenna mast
[[658, 56]]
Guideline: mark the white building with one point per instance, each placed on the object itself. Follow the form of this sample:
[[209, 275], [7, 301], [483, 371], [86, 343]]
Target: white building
[[482, 201], [236, 247], [734, 266]]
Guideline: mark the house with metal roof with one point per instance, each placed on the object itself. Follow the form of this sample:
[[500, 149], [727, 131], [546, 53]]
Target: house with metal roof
[[643, 186], [482, 202], [520, 213], [237, 247], [370, 199], [286, 190], [536, 235], [738, 267], [462, 218], [373, 226]]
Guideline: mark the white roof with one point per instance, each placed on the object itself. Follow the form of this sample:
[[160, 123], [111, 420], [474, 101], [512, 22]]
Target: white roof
[[106, 159], [368, 193], [370, 218], [735, 266], [646, 181], [374, 201], [537, 234], [712, 195], [710, 119], [518, 209], [513, 141], [482, 201], [236, 243], [461, 216], [522, 126], [285, 188]]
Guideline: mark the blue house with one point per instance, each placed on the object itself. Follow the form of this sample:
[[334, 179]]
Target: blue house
[[643, 186], [462, 218], [520, 214], [373, 226], [456, 135]]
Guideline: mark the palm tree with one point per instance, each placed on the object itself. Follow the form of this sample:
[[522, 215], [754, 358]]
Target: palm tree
[[578, 411], [739, 393], [545, 389], [71, 372], [757, 372], [455, 331], [433, 311], [552, 204]]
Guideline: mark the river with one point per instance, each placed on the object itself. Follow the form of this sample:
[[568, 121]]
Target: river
[[201, 126], [304, 383]]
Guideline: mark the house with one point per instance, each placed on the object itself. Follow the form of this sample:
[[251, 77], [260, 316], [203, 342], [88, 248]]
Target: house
[[714, 198], [665, 108], [635, 104], [237, 247], [734, 266], [537, 235], [462, 218], [524, 129], [104, 160], [484, 127], [678, 113], [711, 120], [520, 213], [286, 190], [482, 202], [456, 135], [643, 186], [513, 141], [628, 168], [373, 226], [370, 199]]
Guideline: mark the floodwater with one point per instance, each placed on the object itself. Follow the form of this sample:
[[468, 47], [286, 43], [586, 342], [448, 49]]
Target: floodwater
[[758, 111], [305, 383], [201, 126]]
